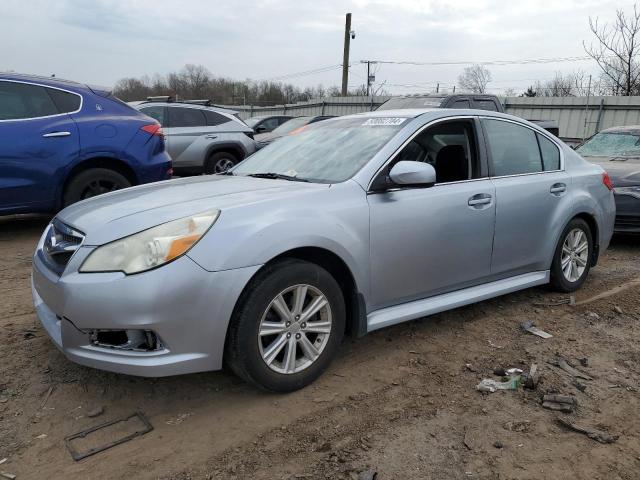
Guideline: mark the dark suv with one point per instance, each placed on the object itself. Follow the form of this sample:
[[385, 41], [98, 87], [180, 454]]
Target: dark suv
[[62, 141], [266, 123]]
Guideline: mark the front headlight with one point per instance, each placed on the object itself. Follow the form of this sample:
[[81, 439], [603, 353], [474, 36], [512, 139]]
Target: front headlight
[[150, 248], [632, 191]]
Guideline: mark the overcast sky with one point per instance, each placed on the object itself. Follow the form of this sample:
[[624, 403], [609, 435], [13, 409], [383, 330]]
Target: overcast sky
[[100, 41]]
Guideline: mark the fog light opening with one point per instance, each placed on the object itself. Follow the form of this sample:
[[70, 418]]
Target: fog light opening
[[135, 340]]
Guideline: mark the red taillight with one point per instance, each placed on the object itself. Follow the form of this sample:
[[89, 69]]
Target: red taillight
[[153, 129], [606, 180]]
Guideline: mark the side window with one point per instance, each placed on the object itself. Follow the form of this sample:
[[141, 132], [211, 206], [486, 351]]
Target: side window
[[20, 101], [214, 118], [461, 104], [450, 147], [157, 113], [65, 102], [186, 117], [485, 105], [514, 148], [270, 124], [281, 120], [550, 153]]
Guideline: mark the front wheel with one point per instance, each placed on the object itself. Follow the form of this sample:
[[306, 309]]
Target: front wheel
[[219, 163], [572, 259], [288, 326]]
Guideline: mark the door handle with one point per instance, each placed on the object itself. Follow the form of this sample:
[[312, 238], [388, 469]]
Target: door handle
[[558, 189], [479, 200], [56, 134]]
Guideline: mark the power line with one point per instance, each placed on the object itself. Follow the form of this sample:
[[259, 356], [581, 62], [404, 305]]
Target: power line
[[489, 62], [306, 72]]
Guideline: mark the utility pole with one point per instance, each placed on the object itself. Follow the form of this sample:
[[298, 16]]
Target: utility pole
[[345, 58], [368, 76]]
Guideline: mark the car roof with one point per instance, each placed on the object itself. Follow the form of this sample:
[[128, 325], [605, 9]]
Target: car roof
[[269, 116], [434, 113], [622, 129], [41, 79], [146, 103]]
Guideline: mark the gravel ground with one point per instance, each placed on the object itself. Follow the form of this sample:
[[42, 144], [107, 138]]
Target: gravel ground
[[400, 402]]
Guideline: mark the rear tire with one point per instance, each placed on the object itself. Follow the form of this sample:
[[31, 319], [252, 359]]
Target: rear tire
[[92, 182], [572, 259], [219, 163], [278, 338]]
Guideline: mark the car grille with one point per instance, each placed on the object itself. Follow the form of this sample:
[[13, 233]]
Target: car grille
[[60, 243]]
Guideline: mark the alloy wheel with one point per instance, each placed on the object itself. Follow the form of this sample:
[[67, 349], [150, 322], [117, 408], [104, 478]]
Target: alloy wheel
[[575, 255], [98, 187], [223, 165], [295, 329]]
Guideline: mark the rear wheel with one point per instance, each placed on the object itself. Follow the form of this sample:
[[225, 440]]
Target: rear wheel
[[92, 182], [572, 260], [288, 326], [219, 163]]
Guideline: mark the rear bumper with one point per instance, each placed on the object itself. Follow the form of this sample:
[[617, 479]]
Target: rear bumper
[[627, 214], [187, 307]]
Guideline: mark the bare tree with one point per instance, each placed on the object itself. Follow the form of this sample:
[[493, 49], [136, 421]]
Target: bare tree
[[474, 79], [616, 51]]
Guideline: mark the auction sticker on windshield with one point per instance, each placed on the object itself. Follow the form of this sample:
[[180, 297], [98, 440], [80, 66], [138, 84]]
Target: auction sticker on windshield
[[384, 121]]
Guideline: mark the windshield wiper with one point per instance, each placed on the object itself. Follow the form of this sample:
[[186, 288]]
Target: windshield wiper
[[278, 176]]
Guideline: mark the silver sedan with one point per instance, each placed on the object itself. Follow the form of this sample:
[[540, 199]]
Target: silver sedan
[[345, 227]]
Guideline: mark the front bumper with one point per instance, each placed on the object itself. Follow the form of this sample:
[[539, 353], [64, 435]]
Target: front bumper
[[627, 214], [186, 306]]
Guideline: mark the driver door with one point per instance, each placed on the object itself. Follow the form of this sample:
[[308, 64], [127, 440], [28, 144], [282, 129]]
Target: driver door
[[432, 240]]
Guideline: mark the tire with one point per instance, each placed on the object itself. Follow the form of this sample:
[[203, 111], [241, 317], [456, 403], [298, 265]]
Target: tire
[[247, 353], [579, 263], [92, 182], [219, 163]]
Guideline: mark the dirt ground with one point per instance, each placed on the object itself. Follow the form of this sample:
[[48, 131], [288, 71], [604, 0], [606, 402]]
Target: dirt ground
[[400, 402]]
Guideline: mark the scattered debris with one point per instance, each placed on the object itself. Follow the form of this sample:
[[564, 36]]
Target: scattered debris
[[493, 345], [179, 419], [9, 476], [3, 461], [46, 397], [564, 365], [368, 475], [593, 315], [518, 426], [42, 436], [491, 385], [470, 367], [528, 326], [95, 412], [618, 310], [557, 303], [597, 435], [530, 379], [572, 300], [584, 361], [562, 403], [579, 385], [498, 444], [146, 428]]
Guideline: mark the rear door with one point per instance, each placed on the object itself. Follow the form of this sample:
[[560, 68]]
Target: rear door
[[38, 140], [426, 241], [531, 191], [184, 126]]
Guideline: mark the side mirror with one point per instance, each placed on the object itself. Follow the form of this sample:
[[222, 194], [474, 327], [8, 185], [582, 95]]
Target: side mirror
[[413, 174], [261, 129]]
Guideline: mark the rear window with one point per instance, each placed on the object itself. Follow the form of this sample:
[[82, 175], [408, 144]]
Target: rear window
[[65, 102], [157, 113], [411, 102], [486, 105], [20, 101], [186, 117], [214, 118]]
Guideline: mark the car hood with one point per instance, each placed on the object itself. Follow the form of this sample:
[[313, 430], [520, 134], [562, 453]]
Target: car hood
[[115, 215], [623, 171]]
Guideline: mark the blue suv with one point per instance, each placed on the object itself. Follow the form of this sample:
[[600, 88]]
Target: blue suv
[[62, 141]]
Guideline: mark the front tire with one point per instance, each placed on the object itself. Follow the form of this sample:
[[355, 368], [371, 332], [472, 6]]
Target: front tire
[[287, 327], [572, 259], [92, 182], [219, 163]]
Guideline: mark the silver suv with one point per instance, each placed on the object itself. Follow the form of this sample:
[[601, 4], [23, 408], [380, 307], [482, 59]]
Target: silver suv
[[200, 138]]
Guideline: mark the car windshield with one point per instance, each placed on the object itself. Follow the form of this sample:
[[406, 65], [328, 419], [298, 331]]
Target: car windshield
[[411, 102], [252, 121], [291, 125], [325, 152], [611, 144]]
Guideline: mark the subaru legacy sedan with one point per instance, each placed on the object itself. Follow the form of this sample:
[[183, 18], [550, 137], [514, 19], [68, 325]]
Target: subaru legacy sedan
[[347, 226]]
